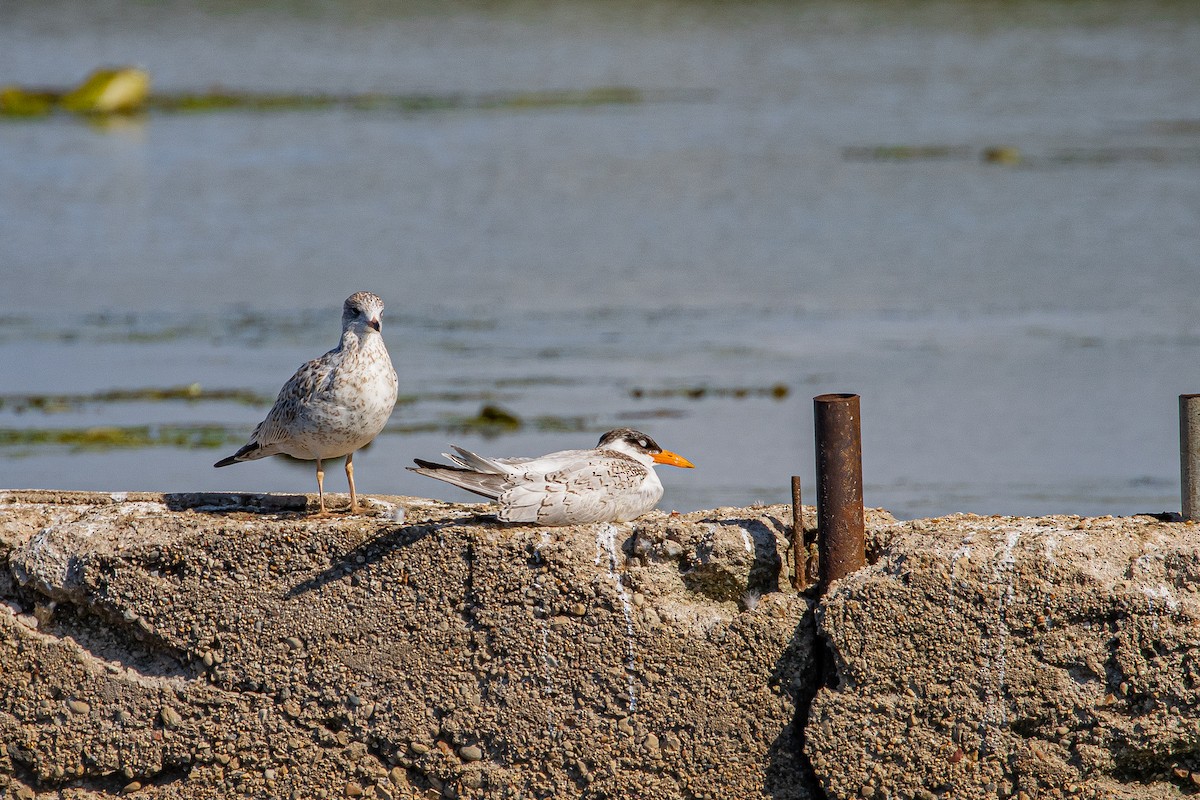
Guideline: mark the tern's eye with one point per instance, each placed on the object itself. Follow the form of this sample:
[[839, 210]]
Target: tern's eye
[[643, 444]]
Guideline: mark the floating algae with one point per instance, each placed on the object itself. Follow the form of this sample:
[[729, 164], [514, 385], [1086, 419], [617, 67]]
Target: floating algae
[[111, 437], [119, 90], [1105, 156], [777, 391], [491, 421], [254, 101], [907, 152], [18, 102], [1011, 155], [194, 392], [109, 91], [126, 90], [562, 424], [1001, 154], [494, 419]]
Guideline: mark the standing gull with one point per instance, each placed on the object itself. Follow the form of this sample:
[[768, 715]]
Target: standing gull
[[615, 482], [334, 404]]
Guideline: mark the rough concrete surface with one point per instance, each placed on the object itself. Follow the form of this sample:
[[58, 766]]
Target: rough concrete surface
[[204, 646], [1005, 657], [227, 646]]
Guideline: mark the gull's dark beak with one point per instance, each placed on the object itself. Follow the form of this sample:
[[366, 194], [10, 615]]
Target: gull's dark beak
[[374, 323]]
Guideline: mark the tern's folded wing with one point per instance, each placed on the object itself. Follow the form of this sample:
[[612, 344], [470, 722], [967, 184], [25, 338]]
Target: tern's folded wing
[[592, 489]]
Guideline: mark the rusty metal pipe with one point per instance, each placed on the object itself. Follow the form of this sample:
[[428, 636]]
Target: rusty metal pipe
[[1189, 455], [840, 525]]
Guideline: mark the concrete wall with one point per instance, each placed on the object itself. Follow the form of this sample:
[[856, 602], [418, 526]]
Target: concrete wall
[[226, 645]]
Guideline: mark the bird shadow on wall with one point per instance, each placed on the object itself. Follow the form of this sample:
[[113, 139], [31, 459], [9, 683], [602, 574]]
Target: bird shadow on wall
[[374, 550], [233, 502]]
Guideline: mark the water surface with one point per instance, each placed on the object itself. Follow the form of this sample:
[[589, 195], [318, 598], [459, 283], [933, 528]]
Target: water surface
[[799, 197]]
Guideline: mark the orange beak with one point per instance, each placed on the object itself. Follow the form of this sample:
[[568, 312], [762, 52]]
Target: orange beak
[[667, 457]]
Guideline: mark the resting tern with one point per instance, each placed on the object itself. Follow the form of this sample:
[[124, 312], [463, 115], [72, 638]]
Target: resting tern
[[615, 482]]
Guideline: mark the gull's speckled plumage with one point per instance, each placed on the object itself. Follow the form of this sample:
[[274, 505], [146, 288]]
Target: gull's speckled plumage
[[334, 404], [615, 482]]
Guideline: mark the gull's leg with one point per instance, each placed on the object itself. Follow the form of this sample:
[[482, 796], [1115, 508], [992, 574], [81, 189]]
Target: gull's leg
[[350, 480], [321, 488]]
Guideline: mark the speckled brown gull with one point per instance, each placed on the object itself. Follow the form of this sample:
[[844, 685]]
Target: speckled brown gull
[[334, 404], [615, 482]]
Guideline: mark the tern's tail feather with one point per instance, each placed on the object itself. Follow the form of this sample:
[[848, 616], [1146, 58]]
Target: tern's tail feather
[[484, 484], [478, 463]]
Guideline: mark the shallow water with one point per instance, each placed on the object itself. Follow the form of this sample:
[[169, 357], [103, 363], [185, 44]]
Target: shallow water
[[799, 198]]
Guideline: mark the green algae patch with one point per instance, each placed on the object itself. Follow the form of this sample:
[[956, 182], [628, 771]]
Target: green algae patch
[[1107, 156], [907, 152], [776, 391], [106, 91], [491, 417], [233, 101], [253, 101], [18, 102], [263, 102], [1007, 155], [610, 95], [561, 424], [112, 437], [491, 422], [124, 91], [193, 392]]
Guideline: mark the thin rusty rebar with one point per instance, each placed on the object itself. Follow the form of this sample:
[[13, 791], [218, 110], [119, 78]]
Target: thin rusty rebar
[[799, 546]]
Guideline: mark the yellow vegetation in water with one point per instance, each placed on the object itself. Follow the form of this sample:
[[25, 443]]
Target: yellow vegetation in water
[[109, 91], [120, 90]]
